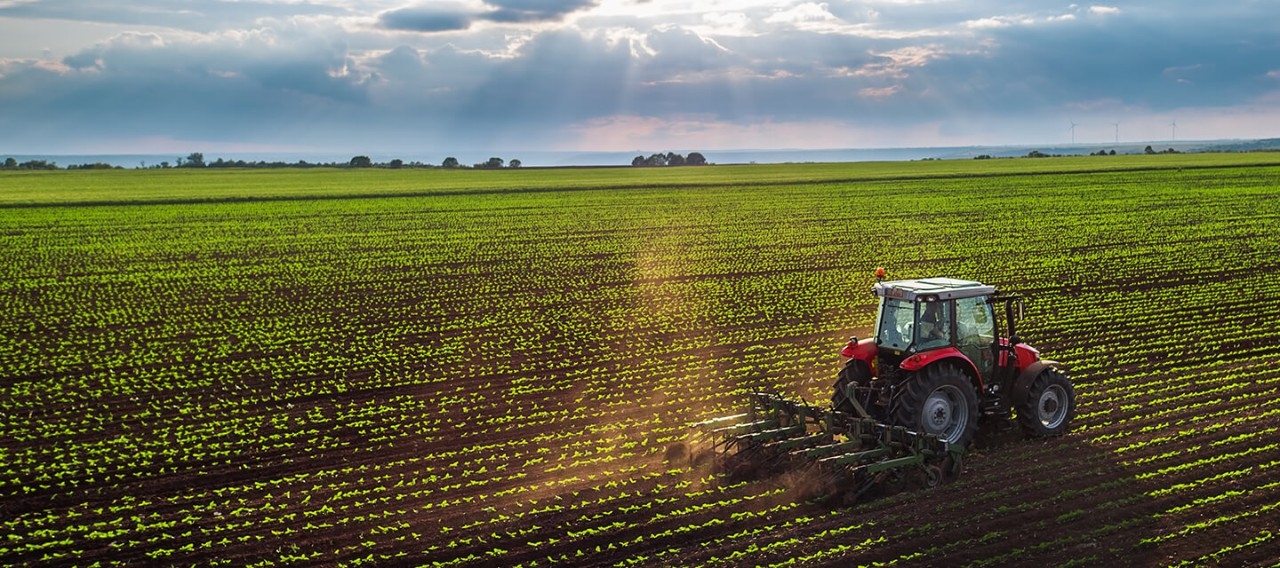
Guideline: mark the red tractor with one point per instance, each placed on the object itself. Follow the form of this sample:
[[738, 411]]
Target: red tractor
[[940, 359], [944, 355]]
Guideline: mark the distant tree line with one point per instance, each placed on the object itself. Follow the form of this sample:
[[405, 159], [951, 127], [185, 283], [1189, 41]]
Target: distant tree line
[[12, 164], [670, 159], [1039, 154], [197, 160], [492, 164]]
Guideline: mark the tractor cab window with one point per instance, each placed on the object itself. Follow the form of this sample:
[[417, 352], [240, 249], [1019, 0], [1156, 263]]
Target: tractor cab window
[[934, 328], [975, 324], [896, 319]]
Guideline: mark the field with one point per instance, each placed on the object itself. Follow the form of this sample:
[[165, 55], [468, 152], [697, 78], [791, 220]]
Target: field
[[267, 368]]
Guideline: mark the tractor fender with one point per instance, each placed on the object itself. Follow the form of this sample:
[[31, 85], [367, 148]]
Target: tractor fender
[[1023, 385], [864, 350], [924, 359]]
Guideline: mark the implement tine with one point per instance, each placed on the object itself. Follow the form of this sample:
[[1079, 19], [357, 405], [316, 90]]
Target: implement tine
[[793, 445], [720, 420], [859, 458], [758, 425], [827, 450], [774, 434]]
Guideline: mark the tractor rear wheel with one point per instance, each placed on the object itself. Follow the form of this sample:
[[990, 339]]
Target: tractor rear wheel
[[939, 400], [1050, 405], [856, 373]]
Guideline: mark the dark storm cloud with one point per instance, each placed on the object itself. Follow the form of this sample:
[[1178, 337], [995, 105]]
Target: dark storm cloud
[[424, 19], [515, 11], [1152, 60], [136, 85], [557, 77], [433, 18]]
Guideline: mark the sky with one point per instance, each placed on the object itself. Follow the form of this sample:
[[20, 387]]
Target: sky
[[150, 76]]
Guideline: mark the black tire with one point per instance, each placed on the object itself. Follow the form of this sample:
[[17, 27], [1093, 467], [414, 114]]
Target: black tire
[[939, 400], [1050, 405], [855, 373]]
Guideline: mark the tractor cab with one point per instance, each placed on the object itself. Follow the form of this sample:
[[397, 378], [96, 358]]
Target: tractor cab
[[917, 316]]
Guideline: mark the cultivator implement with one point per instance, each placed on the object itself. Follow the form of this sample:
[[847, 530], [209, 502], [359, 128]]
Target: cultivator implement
[[847, 454]]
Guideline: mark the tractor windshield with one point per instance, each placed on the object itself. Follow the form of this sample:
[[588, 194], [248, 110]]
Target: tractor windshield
[[896, 319], [933, 326]]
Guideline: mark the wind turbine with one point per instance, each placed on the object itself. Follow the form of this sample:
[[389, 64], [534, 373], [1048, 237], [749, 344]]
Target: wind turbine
[[1174, 126], [1117, 125], [1073, 132]]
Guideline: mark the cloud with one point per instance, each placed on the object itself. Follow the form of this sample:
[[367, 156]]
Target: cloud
[[727, 24], [528, 73], [204, 16], [534, 10], [804, 14], [425, 19], [999, 22], [895, 63], [446, 17], [872, 92], [96, 56], [242, 88]]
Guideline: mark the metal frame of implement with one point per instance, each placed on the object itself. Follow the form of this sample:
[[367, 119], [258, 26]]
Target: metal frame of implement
[[776, 429]]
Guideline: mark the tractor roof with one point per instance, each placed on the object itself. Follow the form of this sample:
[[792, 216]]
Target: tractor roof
[[937, 288]]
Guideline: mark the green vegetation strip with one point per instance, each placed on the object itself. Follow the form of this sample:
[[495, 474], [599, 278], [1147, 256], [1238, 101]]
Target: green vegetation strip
[[329, 367], [75, 187]]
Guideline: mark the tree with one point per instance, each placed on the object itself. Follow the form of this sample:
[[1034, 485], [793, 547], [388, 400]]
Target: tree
[[492, 163], [513, 163], [361, 162], [10, 163], [1148, 150], [396, 164], [450, 162], [696, 159], [638, 161], [657, 160], [194, 160], [674, 159]]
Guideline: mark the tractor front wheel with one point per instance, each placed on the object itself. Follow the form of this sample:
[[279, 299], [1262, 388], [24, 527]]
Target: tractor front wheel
[[939, 400], [1050, 405]]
